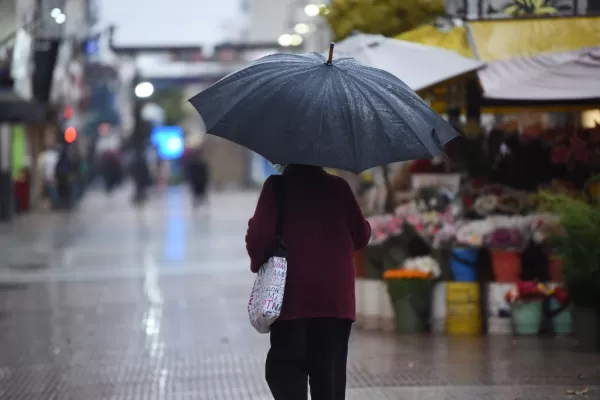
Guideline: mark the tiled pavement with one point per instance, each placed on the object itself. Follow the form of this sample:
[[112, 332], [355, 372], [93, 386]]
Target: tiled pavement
[[115, 303]]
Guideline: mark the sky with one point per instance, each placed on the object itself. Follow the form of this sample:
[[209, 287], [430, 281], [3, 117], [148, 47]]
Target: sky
[[169, 22]]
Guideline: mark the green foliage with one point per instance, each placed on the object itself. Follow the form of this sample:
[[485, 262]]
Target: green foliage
[[386, 17], [578, 246], [172, 102]]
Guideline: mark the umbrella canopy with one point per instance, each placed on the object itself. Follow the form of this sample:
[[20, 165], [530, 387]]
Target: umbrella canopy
[[419, 66], [569, 75], [305, 109]]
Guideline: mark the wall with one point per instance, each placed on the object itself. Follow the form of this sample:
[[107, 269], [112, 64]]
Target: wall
[[268, 19], [8, 20]]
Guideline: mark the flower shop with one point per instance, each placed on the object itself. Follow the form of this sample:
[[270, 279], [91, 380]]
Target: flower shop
[[507, 243]]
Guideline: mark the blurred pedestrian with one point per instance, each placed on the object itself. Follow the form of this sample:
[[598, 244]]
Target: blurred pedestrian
[[46, 175], [62, 178], [323, 228], [197, 174], [142, 178], [112, 169], [75, 172]]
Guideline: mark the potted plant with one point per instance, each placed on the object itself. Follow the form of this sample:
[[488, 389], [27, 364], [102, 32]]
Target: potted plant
[[525, 301], [579, 248], [410, 290], [560, 312]]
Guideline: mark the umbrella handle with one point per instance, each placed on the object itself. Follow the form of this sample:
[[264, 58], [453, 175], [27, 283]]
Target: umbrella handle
[[330, 59]]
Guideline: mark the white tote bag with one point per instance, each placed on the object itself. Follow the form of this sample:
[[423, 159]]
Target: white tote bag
[[266, 297]]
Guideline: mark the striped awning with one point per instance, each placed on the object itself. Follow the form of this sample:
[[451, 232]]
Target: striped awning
[[573, 75]]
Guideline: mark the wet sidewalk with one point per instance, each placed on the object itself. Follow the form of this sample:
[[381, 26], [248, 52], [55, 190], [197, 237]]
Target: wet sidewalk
[[117, 303]]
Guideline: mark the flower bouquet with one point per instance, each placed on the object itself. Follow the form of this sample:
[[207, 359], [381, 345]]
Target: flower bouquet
[[384, 227], [410, 289], [386, 246], [525, 301], [505, 238]]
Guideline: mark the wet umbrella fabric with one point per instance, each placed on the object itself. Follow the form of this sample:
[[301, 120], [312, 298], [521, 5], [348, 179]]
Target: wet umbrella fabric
[[297, 109]]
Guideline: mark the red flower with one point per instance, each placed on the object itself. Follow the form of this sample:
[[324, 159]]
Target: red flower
[[561, 295]]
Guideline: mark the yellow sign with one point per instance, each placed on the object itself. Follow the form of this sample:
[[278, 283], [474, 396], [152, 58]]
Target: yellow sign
[[506, 39]]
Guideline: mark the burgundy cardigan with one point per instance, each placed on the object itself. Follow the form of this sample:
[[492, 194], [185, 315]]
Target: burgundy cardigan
[[323, 227]]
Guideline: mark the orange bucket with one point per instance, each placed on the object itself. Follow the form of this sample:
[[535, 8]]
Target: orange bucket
[[507, 266], [555, 266]]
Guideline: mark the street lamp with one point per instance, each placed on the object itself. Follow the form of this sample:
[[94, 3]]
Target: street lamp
[[302, 29], [297, 40], [285, 40], [58, 16], [312, 10], [60, 19], [144, 90]]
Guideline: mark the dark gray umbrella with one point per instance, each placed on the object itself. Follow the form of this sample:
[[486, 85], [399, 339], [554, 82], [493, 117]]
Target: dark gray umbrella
[[305, 109]]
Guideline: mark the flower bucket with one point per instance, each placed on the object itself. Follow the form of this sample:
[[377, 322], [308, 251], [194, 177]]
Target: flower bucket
[[562, 321], [463, 309], [463, 262], [408, 318], [411, 299], [507, 265], [527, 317]]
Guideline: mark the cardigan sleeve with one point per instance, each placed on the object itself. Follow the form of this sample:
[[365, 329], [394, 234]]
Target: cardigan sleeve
[[260, 237]]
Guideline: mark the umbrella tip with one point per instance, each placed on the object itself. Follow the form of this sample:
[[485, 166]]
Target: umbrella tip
[[330, 59]]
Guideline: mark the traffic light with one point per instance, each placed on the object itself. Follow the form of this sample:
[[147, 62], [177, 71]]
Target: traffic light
[[70, 134]]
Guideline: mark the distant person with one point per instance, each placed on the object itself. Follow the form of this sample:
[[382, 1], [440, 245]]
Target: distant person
[[62, 177], [111, 169], [75, 172], [46, 174], [197, 174], [142, 178], [323, 228]]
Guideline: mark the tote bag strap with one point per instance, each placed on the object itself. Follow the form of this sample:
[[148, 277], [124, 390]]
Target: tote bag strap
[[279, 191]]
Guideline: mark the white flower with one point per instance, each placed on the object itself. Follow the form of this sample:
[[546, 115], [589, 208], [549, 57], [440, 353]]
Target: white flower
[[425, 264]]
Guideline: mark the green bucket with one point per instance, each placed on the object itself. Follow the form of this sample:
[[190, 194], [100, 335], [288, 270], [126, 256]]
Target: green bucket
[[411, 299], [563, 321], [408, 318], [527, 317]]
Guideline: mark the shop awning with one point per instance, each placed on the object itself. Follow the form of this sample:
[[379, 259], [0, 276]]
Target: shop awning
[[14, 109], [454, 39], [419, 66], [573, 75], [516, 38]]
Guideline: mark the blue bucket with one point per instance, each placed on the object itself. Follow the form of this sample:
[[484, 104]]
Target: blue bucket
[[463, 262]]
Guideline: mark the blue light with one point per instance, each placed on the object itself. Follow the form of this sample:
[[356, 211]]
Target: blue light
[[92, 46], [169, 141]]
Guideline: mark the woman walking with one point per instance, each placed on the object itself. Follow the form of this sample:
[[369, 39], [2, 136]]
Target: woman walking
[[323, 228]]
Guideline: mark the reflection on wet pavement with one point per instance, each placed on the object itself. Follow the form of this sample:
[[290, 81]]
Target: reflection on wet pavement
[[150, 304]]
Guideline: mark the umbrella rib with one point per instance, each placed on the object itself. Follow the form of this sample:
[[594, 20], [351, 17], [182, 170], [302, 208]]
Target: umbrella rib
[[359, 86], [350, 131], [250, 93]]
